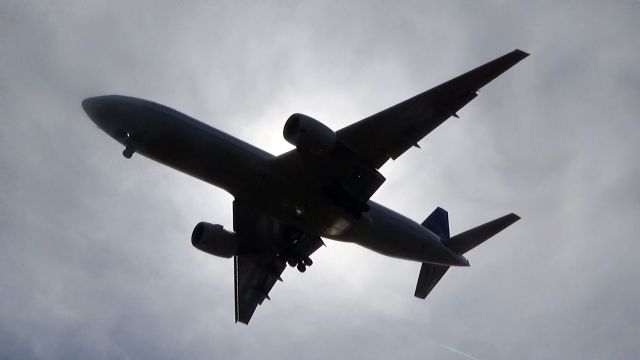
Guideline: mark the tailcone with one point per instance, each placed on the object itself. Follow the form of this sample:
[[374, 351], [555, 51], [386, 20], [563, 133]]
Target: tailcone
[[458, 260], [442, 255]]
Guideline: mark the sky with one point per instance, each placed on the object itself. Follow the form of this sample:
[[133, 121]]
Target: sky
[[95, 252]]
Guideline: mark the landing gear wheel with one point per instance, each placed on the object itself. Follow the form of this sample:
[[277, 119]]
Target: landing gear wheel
[[292, 263], [128, 152], [308, 261], [302, 268]]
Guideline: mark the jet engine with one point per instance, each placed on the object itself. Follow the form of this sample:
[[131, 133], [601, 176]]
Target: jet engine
[[215, 240], [309, 135]]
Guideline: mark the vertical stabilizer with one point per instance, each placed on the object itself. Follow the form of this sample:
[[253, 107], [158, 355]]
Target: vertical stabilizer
[[438, 222]]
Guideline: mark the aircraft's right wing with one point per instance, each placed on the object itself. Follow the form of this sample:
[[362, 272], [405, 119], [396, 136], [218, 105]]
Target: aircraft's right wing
[[254, 276], [260, 264]]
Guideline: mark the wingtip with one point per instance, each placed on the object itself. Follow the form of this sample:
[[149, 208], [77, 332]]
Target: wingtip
[[522, 54], [242, 321], [514, 217]]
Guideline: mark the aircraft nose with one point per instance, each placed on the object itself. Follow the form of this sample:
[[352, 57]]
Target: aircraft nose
[[92, 105], [101, 109]]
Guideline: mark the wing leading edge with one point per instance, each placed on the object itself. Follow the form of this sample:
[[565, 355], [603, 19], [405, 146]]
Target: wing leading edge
[[391, 132]]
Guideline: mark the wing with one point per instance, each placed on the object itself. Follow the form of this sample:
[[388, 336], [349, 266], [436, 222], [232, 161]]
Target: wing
[[255, 275], [267, 246], [391, 132]]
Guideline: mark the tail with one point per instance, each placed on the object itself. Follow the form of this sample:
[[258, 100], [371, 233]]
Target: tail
[[438, 223]]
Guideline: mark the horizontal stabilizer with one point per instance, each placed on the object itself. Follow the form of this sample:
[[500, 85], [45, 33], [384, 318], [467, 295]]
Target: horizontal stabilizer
[[429, 276], [469, 239], [438, 223]]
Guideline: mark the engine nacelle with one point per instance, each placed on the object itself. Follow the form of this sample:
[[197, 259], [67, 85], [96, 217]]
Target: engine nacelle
[[215, 240], [309, 135]]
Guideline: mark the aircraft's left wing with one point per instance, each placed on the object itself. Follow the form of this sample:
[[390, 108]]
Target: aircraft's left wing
[[349, 175], [261, 261], [391, 132]]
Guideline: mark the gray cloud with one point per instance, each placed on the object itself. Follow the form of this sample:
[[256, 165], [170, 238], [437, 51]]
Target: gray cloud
[[94, 253]]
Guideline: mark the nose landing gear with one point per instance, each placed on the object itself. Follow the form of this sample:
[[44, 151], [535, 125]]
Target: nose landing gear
[[128, 151]]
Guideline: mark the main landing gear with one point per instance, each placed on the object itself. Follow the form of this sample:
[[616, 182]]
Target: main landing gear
[[301, 265], [296, 252]]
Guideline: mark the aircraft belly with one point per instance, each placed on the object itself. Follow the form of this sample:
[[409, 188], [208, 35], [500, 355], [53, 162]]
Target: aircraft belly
[[310, 212], [214, 160]]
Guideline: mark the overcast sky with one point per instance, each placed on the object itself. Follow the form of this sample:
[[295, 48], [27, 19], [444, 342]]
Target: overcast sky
[[95, 256]]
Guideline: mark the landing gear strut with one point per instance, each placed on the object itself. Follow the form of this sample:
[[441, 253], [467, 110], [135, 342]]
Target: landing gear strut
[[296, 252], [129, 149]]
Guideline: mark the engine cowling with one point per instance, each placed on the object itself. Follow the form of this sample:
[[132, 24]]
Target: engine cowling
[[215, 240], [308, 134]]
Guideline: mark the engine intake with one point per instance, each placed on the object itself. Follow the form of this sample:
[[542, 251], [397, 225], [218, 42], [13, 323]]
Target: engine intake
[[309, 135], [215, 240]]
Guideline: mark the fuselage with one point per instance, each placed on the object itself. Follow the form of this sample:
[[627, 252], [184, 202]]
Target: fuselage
[[247, 172]]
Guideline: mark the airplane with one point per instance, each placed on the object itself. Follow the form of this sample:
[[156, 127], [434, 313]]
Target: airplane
[[285, 205]]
